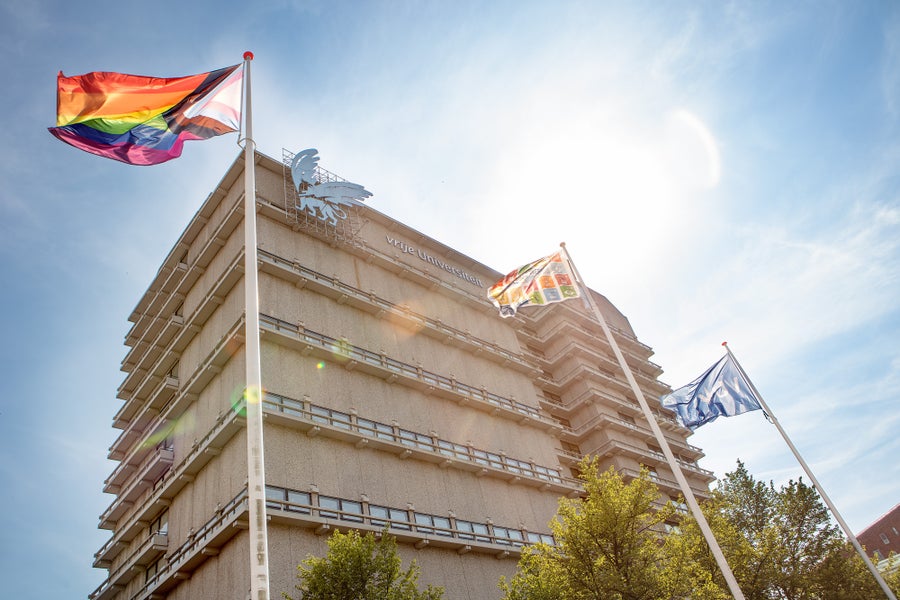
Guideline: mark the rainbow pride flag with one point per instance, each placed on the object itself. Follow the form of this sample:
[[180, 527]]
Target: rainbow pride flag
[[543, 281], [145, 120]]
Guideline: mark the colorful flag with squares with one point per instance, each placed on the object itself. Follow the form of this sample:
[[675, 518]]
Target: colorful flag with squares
[[543, 281]]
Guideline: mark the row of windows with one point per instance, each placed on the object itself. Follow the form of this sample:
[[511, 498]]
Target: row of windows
[[400, 519], [349, 351], [433, 323], [413, 439]]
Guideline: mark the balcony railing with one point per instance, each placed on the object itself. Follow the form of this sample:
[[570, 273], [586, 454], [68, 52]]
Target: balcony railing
[[446, 452], [353, 356], [435, 327]]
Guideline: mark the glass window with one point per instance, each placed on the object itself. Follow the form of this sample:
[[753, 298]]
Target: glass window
[[375, 429], [275, 497], [494, 460], [351, 509], [398, 518], [505, 535], [332, 504], [160, 524], [291, 407], [339, 419], [320, 414], [416, 440], [453, 450], [472, 531], [884, 538], [299, 501], [442, 525], [501, 535], [422, 521]]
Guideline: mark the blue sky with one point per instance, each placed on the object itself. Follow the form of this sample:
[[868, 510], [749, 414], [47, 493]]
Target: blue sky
[[719, 170]]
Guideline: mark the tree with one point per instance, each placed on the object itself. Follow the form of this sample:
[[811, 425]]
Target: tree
[[781, 544], [608, 544], [361, 567]]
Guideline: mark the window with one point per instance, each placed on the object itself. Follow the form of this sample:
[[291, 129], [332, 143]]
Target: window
[[488, 459], [472, 531], [432, 524], [535, 538], [154, 568], [416, 440], [453, 450], [275, 497], [548, 474], [298, 501], [288, 405], [375, 429], [330, 417], [399, 519], [884, 538], [160, 524], [507, 536], [338, 508]]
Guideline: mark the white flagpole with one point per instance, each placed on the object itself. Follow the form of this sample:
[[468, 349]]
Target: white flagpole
[[256, 477], [812, 478], [664, 445]]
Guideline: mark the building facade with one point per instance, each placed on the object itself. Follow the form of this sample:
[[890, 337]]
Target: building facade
[[394, 396], [882, 537]]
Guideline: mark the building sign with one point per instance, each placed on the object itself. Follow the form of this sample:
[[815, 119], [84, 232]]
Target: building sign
[[407, 249]]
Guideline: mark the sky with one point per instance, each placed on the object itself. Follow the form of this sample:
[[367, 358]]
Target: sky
[[721, 171]]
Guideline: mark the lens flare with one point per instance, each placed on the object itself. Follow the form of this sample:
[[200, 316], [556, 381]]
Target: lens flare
[[320, 365], [183, 424]]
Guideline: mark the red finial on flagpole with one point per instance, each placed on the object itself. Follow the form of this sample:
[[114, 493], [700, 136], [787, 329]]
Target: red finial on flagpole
[[248, 55], [724, 343]]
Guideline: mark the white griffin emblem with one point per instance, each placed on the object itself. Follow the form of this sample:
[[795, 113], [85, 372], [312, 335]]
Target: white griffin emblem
[[323, 200]]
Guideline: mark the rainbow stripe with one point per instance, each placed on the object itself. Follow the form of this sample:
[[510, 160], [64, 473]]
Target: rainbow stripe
[[146, 120]]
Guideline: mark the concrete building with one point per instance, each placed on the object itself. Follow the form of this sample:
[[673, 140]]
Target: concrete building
[[394, 395]]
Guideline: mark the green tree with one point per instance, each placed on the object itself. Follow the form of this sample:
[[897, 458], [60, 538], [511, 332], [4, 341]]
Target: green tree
[[781, 544], [361, 567], [608, 544]]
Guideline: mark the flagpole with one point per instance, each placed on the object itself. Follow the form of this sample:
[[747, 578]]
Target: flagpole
[[815, 482], [256, 478], [664, 445]]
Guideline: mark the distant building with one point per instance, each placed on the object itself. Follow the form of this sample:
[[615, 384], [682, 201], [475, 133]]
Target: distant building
[[395, 396], [883, 536]]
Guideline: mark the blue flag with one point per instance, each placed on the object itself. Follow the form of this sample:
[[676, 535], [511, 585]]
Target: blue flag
[[720, 392]]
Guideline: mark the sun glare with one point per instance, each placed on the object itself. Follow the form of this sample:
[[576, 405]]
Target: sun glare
[[693, 151]]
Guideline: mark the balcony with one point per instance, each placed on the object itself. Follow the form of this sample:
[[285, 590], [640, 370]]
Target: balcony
[[153, 467], [643, 432], [352, 428], [176, 276], [590, 352], [166, 487], [403, 315], [321, 346], [155, 365], [152, 548]]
